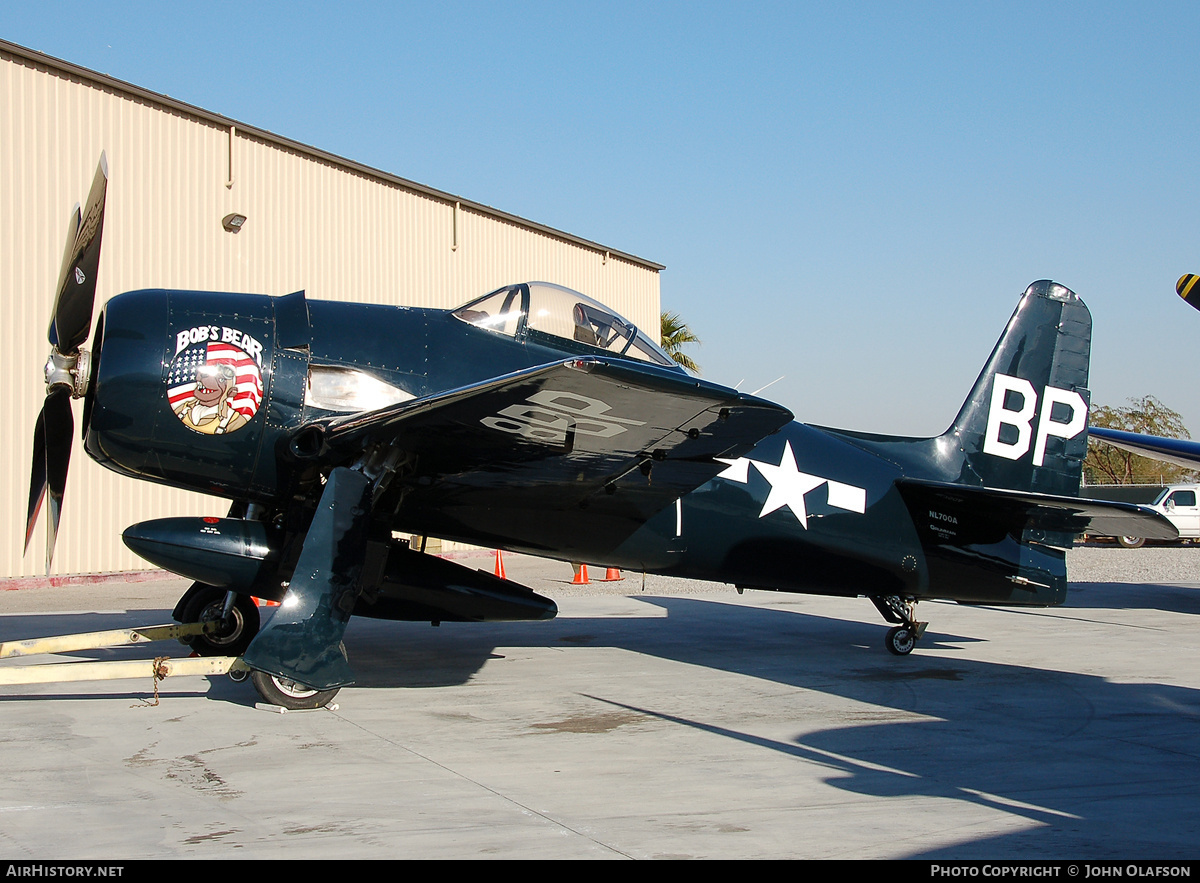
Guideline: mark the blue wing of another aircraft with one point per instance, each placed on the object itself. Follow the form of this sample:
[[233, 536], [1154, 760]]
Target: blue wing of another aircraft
[[1180, 451], [573, 454]]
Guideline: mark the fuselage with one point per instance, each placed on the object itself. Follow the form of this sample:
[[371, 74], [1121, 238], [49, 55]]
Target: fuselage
[[804, 507], [147, 344], [808, 509]]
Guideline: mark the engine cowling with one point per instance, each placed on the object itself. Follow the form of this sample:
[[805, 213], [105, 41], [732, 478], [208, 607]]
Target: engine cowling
[[196, 389]]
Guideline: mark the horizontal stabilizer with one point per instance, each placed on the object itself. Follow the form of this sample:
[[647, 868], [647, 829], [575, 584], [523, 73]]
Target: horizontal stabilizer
[[973, 510]]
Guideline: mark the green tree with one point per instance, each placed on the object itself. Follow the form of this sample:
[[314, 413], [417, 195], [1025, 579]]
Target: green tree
[[1106, 464], [676, 335]]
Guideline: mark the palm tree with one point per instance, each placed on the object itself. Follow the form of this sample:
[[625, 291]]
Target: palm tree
[[675, 335]]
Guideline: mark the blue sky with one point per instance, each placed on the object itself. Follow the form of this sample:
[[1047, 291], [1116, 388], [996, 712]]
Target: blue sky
[[849, 195]]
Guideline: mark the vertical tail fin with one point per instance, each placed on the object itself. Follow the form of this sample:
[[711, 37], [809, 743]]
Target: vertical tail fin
[[1023, 428], [1024, 425]]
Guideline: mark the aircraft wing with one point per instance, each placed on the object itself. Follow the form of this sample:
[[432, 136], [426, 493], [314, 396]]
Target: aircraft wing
[[978, 513], [573, 454], [1180, 451]]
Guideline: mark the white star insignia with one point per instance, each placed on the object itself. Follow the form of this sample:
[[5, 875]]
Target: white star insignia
[[789, 485]]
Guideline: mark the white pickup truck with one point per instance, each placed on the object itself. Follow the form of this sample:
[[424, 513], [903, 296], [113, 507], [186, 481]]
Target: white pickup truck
[[1178, 502]]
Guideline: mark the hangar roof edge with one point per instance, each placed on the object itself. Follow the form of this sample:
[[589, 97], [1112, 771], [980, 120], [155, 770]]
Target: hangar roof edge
[[37, 57]]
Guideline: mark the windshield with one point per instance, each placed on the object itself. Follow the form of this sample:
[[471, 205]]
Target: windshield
[[540, 310], [502, 311]]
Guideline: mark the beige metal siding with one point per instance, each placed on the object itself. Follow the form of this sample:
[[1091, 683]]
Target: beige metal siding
[[330, 227]]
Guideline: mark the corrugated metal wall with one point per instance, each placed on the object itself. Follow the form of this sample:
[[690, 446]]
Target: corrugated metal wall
[[337, 230]]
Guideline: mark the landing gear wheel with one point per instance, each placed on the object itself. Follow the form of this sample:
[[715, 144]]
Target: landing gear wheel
[[288, 694], [900, 640], [232, 636], [1131, 542]]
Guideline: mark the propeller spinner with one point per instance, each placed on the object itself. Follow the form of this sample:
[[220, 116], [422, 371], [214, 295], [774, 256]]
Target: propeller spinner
[[68, 369]]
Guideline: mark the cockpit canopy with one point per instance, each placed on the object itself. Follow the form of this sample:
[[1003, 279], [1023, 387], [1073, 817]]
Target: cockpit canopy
[[559, 317]]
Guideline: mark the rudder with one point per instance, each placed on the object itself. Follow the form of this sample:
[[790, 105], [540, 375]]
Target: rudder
[[1024, 425]]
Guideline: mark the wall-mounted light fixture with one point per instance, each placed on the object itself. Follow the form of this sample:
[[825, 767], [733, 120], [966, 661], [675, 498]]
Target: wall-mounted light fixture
[[232, 222]]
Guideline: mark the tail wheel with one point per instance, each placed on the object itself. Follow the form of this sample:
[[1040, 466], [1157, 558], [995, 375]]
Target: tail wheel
[[900, 640], [1131, 542], [286, 693], [233, 634]]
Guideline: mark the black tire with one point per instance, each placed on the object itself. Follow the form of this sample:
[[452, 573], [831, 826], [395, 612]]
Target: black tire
[[1131, 542], [231, 637], [900, 640], [287, 693]]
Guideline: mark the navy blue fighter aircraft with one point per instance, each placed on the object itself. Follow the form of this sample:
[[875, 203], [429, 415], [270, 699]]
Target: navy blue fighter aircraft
[[534, 419]]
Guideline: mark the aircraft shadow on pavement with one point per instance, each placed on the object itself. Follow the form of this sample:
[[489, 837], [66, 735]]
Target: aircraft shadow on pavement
[[1167, 597], [1090, 766]]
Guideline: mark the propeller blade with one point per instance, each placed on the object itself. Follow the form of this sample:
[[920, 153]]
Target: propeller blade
[[73, 224], [37, 477], [77, 283], [60, 427], [70, 325]]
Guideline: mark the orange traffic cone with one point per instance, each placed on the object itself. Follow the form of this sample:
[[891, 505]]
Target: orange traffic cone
[[263, 602], [581, 577], [612, 575], [500, 565]]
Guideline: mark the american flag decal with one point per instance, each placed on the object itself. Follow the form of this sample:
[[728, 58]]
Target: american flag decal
[[182, 379]]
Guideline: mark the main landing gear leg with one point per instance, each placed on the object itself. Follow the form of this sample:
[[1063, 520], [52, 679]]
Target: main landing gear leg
[[237, 622], [901, 639]]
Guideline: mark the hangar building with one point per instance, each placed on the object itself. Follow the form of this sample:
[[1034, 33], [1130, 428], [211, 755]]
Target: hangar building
[[314, 221]]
